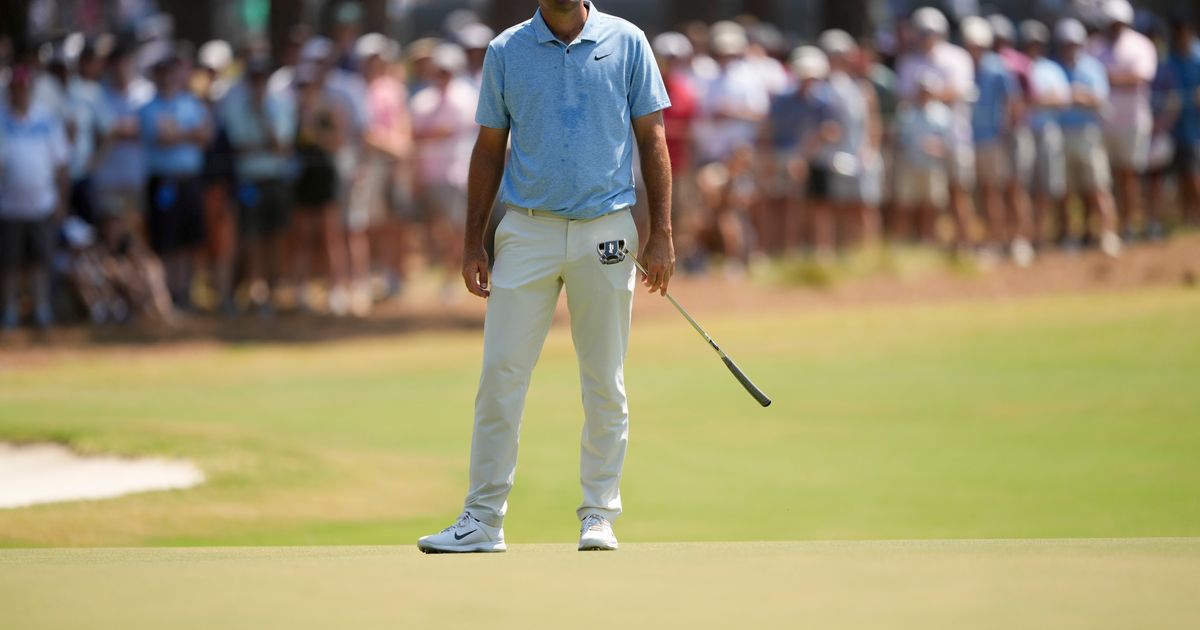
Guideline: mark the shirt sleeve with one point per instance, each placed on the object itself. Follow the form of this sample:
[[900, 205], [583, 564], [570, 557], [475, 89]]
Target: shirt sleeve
[[492, 110], [647, 92]]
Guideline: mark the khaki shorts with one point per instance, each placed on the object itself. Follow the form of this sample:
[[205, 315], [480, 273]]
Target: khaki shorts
[[1087, 162], [1129, 145], [960, 165], [921, 186], [994, 163], [1049, 172]]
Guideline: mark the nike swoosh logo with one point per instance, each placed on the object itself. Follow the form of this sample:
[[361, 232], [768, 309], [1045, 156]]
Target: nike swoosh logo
[[457, 537], [599, 57]]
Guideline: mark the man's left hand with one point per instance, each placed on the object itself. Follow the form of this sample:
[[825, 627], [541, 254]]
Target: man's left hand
[[658, 258]]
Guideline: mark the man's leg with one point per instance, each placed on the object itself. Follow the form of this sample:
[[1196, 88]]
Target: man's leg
[[525, 286], [600, 297]]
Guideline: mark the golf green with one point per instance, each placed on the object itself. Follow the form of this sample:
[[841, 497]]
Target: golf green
[[1060, 584]]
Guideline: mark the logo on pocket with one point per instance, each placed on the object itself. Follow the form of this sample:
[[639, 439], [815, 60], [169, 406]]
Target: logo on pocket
[[611, 252]]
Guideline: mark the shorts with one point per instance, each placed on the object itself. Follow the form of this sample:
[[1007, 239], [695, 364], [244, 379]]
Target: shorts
[[960, 166], [118, 203], [1187, 157], [264, 207], [1129, 145], [367, 200], [1049, 169], [816, 186], [993, 163], [316, 185], [27, 242], [444, 201], [1022, 154], [921, 186], [175, 215], [1087, 169]]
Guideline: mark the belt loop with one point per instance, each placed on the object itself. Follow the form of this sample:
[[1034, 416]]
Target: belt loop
[[529, 211]]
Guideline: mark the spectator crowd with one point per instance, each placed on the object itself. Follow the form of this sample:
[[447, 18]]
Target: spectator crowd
[[147, 179]]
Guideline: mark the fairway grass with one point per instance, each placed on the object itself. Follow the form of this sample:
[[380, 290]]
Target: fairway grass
[[1071, 416], [897, 585]]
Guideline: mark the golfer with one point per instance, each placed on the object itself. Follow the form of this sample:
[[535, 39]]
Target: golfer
[[573, 89]]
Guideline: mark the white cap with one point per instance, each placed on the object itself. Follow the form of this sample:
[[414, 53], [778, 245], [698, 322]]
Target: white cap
[[215, 55], [930, 20], [728, 42], [375, 45], [475, 36], [977, 32], [449, 57], [1070, 31], [1034, 31], [316, 49], [1002, 28], [836, 42], [672, 45], [1118, 11], [808, 62]]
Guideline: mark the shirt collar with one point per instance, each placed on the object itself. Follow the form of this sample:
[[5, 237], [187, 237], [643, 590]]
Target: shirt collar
[[590, 33]]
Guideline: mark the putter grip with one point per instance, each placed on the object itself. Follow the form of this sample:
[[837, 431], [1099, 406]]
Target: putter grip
[[745, 381]]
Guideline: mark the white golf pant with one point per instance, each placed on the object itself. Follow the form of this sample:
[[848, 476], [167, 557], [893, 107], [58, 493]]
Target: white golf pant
[[535, 256]]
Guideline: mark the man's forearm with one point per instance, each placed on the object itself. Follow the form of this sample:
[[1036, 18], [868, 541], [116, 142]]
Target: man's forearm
[[483, 182], [656, 170]]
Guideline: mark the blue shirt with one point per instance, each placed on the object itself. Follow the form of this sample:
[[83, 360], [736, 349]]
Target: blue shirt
[[1186, 69], [1090, 74], [175, 160], [569, 109], [123, 165], [246, 132], [795, 115], [1046, 80], [916, 124], [996, 88]]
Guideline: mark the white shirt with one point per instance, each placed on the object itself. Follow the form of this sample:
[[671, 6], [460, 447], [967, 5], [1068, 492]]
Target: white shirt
[[739, 87], [1135, 53], [32, 149], [447, 160]]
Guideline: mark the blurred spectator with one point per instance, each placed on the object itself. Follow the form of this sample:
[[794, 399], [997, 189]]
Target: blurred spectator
[[851, 167], [810, 111], [925, 134], [34, 153], [1087, 169], [1132, 62], [322, 132], [91, 120], [1177, 123], [444, 128], [176, 129], [118, 183], [996, 96], [389, 152], [261, 127], [474, 39], [210, 84], [735, 101], [955, 69], [1049, 94], [1020, 149], [674, 54]]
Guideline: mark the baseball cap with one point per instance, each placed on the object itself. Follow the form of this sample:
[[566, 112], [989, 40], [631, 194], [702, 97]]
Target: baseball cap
[[316, 49], [475, 36], [374, 45], [672, 45], [1033, 31], [448, 57], [728, 38], [1002, 28], [835, 41], [930, 20], [976, 31], [215, 55], [1115, 11], [1070, 31], [808, 62]]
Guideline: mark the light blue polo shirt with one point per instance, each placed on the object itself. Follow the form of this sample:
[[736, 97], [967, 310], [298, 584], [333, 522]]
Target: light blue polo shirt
[[569, 110]]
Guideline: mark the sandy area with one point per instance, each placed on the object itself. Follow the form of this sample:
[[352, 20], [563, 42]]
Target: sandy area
[[49, 473]]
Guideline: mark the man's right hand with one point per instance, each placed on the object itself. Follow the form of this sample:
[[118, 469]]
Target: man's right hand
[[475, 271]]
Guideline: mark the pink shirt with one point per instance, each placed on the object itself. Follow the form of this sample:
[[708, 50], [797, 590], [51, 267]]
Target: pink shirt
[[445, 160], [1134, 53], [387, 100]]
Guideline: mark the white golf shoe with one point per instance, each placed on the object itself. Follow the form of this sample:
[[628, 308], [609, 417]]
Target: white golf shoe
[[596, 534], [467, 535]]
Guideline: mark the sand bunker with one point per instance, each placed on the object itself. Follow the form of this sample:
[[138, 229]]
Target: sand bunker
[[48, 473]]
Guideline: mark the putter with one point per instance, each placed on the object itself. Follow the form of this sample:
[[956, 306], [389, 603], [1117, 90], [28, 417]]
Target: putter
[[737, 372]]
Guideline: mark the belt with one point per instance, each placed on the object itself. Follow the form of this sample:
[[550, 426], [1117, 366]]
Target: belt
[[546, 214]]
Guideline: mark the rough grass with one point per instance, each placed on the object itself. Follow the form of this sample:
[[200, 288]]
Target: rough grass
[[1069, 416]]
